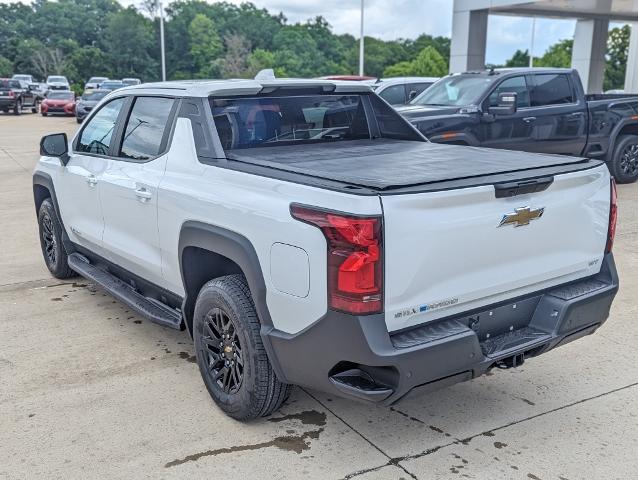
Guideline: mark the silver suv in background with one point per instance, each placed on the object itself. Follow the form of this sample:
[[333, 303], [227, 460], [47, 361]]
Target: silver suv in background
[[57, 82], [400, 90]]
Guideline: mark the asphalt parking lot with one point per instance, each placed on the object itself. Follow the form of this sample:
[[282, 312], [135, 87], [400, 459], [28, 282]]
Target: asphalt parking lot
[[90, 390]]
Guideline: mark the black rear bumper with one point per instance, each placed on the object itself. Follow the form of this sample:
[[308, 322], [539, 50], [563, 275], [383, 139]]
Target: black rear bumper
[[357, 357]]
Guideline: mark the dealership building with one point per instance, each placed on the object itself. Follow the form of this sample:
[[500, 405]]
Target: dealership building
[[469, 33]]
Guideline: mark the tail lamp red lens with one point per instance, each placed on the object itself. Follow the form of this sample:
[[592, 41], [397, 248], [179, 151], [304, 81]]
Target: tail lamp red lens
[[355, 258], [11, 94], [613, 217]]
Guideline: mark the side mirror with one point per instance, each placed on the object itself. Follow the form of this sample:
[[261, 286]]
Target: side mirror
[[55, 145], [411, 95], [506, 104]]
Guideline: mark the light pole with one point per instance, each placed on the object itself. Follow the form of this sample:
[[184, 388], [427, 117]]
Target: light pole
[[161, 15], [531, 50], [361, 49]]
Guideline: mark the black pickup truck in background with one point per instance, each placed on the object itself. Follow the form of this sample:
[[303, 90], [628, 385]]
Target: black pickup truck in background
[[534, 110], [15, 96]]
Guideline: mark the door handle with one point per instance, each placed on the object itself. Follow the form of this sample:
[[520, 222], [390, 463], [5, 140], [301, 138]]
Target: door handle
[[529, 119], [143, 195], [91, 180]]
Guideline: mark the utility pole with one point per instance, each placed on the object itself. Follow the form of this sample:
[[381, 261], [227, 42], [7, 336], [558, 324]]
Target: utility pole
[[161, 14], [531, 50], [361, 49]]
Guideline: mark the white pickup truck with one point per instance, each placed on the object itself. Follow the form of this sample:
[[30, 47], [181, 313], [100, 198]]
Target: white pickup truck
[[304, 233]]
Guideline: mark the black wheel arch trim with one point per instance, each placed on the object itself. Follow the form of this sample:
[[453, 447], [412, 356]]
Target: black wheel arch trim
[[613, 138], [233, 246], [240, 250], [42, 179]]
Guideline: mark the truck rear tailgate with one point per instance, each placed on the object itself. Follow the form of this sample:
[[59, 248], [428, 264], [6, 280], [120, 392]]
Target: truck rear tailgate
[[446, 251]]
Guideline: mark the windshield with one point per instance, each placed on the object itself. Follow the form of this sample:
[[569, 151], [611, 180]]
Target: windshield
[[94, 96], [56, 79], [61, 95], [270, 121], [96, 79], [455, 91], [26, 78]]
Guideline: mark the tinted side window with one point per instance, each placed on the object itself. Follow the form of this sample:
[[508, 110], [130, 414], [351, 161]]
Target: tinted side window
[[145, 128], [96, 136], [516, 85], [551, 89], [394, 95]]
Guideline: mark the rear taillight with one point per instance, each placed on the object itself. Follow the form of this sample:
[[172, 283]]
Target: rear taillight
[[355, 258], [613, 216], [11, 94]]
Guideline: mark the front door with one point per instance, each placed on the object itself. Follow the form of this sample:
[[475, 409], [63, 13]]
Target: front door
[[511, 132], [129, 187], [77, 185]]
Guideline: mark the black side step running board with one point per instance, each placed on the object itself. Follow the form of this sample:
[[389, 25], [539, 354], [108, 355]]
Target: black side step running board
[[150, 308]]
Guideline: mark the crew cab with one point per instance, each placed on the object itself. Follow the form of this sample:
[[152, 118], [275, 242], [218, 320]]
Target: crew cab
[[304, 233], [14, 96], [533, 110]]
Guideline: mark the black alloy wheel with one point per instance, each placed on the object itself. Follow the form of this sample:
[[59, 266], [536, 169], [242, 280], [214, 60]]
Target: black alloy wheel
[[629, 160], [48, 238], [222, 348]]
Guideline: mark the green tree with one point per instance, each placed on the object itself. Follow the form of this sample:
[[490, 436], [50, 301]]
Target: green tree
[[558, 55], [401, 69], [128, 45], [430, 63], [6, 67], [205, 46], [617, 50], [519, 59]]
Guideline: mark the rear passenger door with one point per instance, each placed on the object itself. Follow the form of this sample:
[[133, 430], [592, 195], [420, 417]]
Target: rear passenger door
[[129, 186], [557, 115]]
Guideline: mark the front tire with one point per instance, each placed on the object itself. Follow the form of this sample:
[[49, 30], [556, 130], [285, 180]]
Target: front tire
[[53, 251], [624, 162], [35, 107], [230, 353]]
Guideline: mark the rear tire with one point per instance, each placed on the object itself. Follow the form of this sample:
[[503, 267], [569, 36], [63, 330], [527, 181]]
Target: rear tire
[[17, 110], [230, 353], [53, 251], [44, 114], [35, 107], [624, 161]]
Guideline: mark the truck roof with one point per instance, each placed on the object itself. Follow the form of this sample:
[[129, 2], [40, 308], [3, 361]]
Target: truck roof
[[206, 88], [519, 70]]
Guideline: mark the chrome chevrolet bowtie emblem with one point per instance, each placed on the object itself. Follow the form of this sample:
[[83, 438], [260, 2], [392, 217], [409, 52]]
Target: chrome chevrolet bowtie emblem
[[521, 216]]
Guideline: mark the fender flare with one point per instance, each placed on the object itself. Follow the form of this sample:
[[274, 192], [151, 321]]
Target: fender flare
[[233, 246], [613, 137], [44, 180]]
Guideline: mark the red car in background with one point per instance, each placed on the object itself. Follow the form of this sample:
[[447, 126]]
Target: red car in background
[[58, 102]]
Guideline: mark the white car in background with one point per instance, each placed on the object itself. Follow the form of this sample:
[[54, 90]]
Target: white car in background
[[94, 83], [57, 82], [400, 90]]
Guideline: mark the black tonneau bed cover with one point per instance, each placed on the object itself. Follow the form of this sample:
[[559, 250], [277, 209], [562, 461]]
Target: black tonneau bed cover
[[395, 164]]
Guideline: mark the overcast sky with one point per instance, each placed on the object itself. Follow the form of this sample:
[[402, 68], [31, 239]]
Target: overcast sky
[[391, 19]]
